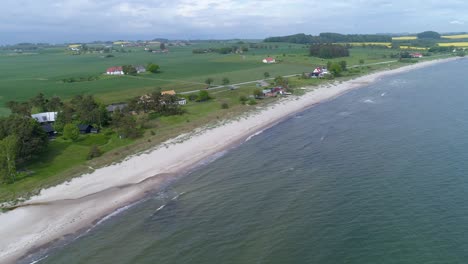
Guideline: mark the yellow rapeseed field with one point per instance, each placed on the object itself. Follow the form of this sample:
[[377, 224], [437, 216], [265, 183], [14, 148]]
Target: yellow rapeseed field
[[456, 36], [455, 44], [404, 38]]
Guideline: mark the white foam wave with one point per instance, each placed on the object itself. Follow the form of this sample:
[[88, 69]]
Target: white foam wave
[[253, 135]]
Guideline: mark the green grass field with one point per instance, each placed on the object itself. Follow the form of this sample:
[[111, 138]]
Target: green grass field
[[24, 75]]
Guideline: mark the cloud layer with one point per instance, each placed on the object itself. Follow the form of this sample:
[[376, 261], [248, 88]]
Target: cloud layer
[[84, 20]]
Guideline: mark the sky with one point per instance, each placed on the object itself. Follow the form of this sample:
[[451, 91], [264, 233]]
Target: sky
[[62, 21]]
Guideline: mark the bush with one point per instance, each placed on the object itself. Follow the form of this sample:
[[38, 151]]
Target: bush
[[203, 96], [71, 131], [94, 152], [224, 106], [243, 99], [252, 101]]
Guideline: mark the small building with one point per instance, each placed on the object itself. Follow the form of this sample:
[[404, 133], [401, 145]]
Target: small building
[[46, 117], [140, 68], [269, 60], [85, 129], [50, 131], [169, 92], [114, 107], [117, 70], [182, 101], [416, 55]]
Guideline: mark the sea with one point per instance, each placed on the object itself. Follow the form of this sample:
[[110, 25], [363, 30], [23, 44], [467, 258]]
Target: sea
[[377, 175]]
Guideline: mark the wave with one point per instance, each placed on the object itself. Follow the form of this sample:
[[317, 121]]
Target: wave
[[254, 134]]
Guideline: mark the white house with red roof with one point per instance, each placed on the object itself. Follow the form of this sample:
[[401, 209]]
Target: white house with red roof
[[117, 70], [269, 60]]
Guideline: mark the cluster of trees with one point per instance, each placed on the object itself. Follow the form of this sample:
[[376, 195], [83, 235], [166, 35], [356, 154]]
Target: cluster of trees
[[222, 50], [155, 102], [39, 102], [428, 35], [336, 68], [328, 51], [330, 38], [80, 79], [21, 137]]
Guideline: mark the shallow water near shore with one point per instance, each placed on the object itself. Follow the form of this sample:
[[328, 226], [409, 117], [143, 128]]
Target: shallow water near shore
[[378, 175]]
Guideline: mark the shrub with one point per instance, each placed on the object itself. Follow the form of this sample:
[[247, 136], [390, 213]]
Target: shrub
[[252, 101], [243, 99], [224, 106], [71, 131], [94, 152]]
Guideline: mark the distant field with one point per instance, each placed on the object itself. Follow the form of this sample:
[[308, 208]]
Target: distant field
[[413, 48], [463, 36], [405, 38], [23, 76], [455, 44], [388, 44]]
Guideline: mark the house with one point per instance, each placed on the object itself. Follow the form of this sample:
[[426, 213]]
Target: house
[[140, 68], [114, 107], [46, 117], [50, 131], [416, 55], [182, 101], [169, 92], [269, 60], [117, 70], [85, 129]]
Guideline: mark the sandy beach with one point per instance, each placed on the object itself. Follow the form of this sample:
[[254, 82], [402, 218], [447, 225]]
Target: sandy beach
[[76, 205]]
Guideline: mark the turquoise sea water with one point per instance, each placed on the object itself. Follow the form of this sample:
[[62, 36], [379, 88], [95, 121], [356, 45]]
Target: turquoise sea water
[[378, 175]]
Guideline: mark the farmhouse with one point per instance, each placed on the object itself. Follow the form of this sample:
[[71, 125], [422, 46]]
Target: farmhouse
[[269, 60], [114, 107], [416, 55], [86, 129], [140, 68], [46, 117], [117, 70]]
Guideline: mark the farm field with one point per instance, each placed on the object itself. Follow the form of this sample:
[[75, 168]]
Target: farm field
[[454, 44], [461, 36], [25, 75]]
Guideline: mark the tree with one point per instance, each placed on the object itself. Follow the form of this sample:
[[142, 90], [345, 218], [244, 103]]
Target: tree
[[129, 70], [343, 65], [31, 137], [40, 102], [125, 125], [23, 108], [71, 131], [226, 81], [203, 96], [154, 68], [54, 104], [8, 154], [335, 69], [266, 75], [243, 99], [162, 46], [281, 81], [209, 81], [258, 93]]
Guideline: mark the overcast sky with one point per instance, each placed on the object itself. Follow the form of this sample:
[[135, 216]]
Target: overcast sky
[[58, 21]]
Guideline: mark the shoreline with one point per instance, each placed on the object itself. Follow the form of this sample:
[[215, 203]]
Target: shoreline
[[78, 204]]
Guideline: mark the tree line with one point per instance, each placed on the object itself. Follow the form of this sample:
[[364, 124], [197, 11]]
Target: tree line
[[328, 51], [329, 38]]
